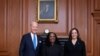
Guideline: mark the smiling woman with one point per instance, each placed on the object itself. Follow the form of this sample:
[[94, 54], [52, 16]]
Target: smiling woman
[[47, 10], [52, 46]]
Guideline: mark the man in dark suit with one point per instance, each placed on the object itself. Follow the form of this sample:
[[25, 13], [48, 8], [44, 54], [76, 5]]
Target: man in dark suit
[[31, 43]]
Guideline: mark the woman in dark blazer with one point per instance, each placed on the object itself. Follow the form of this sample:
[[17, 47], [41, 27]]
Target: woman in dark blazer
[[74, 46], [52, 47]]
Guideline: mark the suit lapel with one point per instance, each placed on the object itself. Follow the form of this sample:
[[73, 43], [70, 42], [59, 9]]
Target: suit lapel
[[38, 41], [30, 39]]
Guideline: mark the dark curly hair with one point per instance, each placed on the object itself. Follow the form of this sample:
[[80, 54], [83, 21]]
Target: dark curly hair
[[48, 43]]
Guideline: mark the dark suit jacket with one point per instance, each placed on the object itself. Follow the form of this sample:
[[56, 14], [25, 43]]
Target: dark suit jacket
[[27, 48], [75, 50]]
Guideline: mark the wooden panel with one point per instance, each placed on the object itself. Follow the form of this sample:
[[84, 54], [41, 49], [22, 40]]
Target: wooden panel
[[3, 25], [14, 26], [3, 28], [93, 45], [90, 34], [13, 23], [96, 39], [97, 5], [92, 13], [80, 17], [24, 9]]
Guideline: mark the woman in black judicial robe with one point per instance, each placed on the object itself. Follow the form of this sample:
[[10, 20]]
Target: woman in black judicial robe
[[74, 46], [52, 47]]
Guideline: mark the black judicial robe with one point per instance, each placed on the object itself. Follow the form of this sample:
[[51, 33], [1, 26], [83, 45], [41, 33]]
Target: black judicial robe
[[55, 50]]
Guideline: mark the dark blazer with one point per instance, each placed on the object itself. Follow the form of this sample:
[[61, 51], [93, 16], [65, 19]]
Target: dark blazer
[[74, 50], [55, 50], [27, 48]]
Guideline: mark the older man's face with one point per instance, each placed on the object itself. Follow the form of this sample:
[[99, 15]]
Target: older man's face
[[34, 27]]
